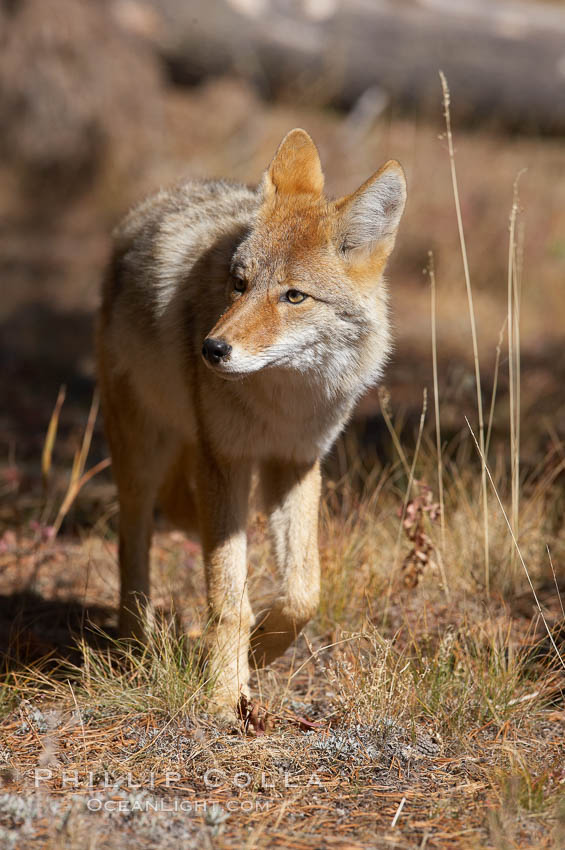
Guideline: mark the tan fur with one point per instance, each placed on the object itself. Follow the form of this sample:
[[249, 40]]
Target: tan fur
[[189, 432]]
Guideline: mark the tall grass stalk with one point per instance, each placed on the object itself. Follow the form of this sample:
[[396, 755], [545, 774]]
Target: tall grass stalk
[[494, 386], [555, 581], [50, 437], [78, 476], [514, 364], [515, 543], [432, 274], [447, 116], [384, 400]]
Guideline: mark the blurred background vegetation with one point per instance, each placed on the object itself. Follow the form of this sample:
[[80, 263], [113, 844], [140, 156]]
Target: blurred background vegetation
[[103, 102]]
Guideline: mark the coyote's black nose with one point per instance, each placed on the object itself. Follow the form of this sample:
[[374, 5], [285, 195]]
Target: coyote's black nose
[[215, 350]]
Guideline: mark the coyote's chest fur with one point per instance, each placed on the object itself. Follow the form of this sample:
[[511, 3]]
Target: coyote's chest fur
[[237, 329]]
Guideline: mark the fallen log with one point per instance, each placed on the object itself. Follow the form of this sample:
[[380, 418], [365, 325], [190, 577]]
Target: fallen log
[[505, 61]]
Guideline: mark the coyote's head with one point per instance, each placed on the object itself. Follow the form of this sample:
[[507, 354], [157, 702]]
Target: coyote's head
[[305, 285]]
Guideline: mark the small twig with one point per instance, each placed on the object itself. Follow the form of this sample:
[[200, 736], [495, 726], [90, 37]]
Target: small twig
[[74, 490], [323, 649], [525, 698], [79, 712], [398, 811]]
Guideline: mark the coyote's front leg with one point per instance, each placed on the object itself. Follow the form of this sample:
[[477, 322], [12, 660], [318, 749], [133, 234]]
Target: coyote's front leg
[[223, 495], [292, 495]]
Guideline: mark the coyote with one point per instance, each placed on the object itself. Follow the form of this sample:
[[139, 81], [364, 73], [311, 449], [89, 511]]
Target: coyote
[[238, 326]]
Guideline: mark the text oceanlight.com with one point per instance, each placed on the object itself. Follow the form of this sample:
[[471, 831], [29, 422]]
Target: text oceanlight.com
[[177, 804]]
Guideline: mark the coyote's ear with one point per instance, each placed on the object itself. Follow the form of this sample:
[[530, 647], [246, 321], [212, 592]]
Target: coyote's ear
[[296, 167], [370, 216]]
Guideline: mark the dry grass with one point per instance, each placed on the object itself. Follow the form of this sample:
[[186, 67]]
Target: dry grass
[[396, 692]]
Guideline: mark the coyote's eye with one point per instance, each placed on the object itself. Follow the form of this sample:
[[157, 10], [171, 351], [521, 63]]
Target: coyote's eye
[[239, 284], [294, 296]]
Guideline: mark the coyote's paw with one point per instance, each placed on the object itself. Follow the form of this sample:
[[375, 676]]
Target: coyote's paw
[[224, 705]]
